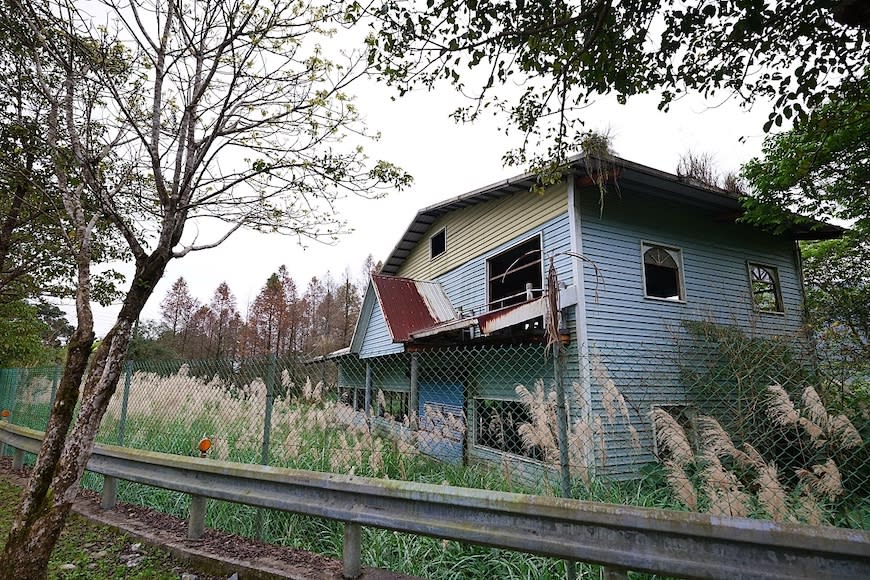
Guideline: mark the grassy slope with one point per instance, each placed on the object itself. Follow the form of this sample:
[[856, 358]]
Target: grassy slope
[[95, 550]]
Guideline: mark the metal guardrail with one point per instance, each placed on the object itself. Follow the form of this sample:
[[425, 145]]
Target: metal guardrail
[[627, 538]]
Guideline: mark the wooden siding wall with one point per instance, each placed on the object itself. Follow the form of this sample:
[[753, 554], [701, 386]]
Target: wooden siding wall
[[465, 286], [474, 230], [377, 340], [636, 336]]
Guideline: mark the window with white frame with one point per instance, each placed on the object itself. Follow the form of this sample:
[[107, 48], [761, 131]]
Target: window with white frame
[[662, 272], [764, 283], [438, 243]]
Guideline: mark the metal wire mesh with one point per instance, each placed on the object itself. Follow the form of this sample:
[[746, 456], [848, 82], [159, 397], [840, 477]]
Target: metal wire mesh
[[719, 422]]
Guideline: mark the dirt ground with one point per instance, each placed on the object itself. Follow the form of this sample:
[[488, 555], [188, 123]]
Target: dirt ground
[[218, 553]]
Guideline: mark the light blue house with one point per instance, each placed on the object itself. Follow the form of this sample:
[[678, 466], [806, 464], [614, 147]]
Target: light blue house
[[453, 322]]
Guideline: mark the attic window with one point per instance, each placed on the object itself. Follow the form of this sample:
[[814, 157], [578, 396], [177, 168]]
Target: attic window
[[515, 275], [766, 294], [438, 243], [663, 273]]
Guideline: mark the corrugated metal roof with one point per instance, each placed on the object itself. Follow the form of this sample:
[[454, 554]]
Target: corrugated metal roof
[[511, 315], [411, 305]]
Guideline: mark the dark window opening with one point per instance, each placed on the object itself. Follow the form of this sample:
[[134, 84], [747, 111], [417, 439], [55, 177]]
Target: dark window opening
[[515, 275], [438, 243], [766, 294], [391, 405], [497, 425], [661, 270]]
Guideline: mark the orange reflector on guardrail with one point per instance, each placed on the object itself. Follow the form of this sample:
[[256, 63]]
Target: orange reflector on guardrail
[[204, 446]]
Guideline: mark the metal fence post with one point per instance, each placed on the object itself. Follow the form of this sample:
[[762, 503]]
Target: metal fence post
[[412, 396], [562, 421], [54, 382], [562, 433], [122, 422], [267, 430], [15, 378], [368, 399], [5, 404], [267, 419]]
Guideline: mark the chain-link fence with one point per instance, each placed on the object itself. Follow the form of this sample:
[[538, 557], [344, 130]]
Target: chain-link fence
[[716, 422]]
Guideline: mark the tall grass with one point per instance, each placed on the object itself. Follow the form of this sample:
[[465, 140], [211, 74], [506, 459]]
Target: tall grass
[[315, 431]]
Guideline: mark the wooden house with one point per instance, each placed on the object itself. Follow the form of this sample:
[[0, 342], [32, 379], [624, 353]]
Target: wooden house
[[443, 323]]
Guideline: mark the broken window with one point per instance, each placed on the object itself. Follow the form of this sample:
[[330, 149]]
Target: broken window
[[662, 273], [438, 243], [515, 275], [766, 294], [497, 426]]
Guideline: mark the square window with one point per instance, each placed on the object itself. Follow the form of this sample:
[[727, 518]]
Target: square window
[[515, 275], [497, 426], [764, 284], [438, 243], [662, 273]]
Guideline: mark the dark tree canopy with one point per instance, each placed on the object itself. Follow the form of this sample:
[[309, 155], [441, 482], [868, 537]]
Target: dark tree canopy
[[539, 63]]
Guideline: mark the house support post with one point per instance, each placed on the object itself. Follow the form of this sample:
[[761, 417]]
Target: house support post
[[413, 396], [368, 397], [351, 553], [109, 497]]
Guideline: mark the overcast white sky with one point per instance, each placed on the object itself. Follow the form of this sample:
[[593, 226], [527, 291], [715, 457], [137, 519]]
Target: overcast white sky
[[446, 160]]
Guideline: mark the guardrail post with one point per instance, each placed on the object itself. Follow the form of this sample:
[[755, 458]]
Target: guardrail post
[[610, 573], [110, 493], [351, 553], [196, 517], [18, 459]]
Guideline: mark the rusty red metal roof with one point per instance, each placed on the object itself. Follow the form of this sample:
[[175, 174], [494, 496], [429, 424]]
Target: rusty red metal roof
[[411, 305]]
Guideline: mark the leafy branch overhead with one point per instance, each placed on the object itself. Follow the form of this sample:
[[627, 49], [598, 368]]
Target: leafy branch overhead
[[540, 63], [157, 116]]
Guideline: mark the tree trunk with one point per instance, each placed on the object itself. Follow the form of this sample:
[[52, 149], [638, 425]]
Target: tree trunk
[[32, 503], [42, 513]]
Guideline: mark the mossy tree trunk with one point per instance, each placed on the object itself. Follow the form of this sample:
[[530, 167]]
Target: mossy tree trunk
[[63, 457]]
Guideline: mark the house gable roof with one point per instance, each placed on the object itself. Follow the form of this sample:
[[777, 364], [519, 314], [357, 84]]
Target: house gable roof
[[631, 177], [407, 306]]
